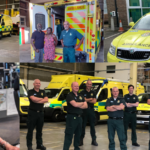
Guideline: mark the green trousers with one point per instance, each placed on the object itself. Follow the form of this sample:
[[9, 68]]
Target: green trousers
[[88, 115], [130, 118], [35, 120], [69, 55], [73, 127], [116, 125]]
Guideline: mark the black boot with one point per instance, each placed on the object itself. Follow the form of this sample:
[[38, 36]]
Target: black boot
[[135, 144], [94, 143], [41, 147], [30, 148]]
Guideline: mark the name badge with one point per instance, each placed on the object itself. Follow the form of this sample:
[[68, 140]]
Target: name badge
[[91, 94], [34, 94]]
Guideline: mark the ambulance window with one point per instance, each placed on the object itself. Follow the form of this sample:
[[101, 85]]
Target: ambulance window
[[120, 92], [143, 98], [64, 94], [103, 95], [40, 18]]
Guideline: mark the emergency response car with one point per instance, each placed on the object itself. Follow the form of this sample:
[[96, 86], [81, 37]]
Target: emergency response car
[[143, 110], [6, 25], [103, 90], [82, 15], [133, 45]]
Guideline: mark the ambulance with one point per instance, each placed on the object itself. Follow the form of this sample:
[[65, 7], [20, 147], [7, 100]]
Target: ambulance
[[6, 25], [103, 88], [57, 90], [24, 101], [133, 45], [82, 15]]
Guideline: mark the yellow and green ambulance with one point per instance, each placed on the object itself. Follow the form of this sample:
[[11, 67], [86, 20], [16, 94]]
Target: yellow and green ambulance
[[85, 16]]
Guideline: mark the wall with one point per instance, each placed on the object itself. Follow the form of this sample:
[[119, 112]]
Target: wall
[[24, 36], [122, 10], [121, 75]]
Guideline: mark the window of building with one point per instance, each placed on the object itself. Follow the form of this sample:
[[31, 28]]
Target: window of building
[[103, 95], [134, 2], [135, 14], [22, 21], [111, 69], [145, 3], [40, 18]]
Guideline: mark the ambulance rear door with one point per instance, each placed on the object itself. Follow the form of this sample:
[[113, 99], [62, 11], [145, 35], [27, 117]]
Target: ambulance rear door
[[76, 15], [38, 14]]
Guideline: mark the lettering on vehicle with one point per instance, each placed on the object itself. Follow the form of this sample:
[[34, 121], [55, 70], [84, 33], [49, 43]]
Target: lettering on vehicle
[[133, 31], [146, 34], [76, 8], [135, 44]]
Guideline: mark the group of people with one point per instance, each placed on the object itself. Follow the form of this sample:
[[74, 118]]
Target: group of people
[[80, 108], [45, 43]]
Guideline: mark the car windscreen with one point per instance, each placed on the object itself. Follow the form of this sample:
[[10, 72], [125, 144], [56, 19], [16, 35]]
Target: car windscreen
[[23, 91], [143, 98], [95, 87], [51, 93], [143, 23]]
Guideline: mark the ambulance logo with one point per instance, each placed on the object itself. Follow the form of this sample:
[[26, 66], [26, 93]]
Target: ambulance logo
[[146, 34], [91, 94], [80, 97], [42, 94], [133, 97], [118, 101]]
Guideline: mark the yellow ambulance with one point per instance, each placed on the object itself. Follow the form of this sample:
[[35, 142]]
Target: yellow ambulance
[[102, 88], [83, 16], [24, 101], [57, 90], [6, 25], [133, 45]]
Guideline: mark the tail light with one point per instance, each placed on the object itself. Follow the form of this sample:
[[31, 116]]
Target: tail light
[[55, 3], [93, 35]]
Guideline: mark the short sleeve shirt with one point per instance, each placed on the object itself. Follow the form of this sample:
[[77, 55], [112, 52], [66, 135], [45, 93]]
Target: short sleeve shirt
[[39, 39], [110, 101], [71, 109], [130, 99], [70, 37], [40, 94], [90, 94]]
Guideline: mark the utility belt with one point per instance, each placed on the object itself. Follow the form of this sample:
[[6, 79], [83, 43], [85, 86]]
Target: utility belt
[[116, 118], [131, 112], [38, 111], [76, 115], [69, 46]]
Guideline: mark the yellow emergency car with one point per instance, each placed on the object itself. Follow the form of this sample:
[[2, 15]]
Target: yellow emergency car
[[103, 90], [85, 16], [24, 101], [133, 45], [6, 25]]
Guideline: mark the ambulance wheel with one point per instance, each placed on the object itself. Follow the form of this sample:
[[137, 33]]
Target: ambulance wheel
[[56, 116], [96, 119], [0, 36]]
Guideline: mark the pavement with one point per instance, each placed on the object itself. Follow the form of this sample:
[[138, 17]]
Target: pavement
[[9, 49], [53, 137], [109, 36]]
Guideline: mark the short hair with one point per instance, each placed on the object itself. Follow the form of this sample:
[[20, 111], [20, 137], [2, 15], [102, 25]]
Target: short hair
[[115, 88], [35, 80], [50, 28], [130, 86], [39, 24]]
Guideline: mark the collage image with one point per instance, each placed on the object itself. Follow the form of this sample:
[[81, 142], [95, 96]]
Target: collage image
[[75, 74]]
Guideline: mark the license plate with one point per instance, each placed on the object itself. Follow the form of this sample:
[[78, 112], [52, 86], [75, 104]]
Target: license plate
[[140, 121]]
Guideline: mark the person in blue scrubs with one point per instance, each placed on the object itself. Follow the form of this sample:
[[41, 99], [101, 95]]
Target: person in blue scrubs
[[68, 40]]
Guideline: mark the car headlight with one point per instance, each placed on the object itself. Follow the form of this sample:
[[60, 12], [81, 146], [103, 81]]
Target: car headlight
[[47, 104], [112, 49]]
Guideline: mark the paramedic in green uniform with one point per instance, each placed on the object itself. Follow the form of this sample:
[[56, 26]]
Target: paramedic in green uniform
[[75, 104], [68, 40], [115, 106], [89, 114], [37, 99], [148, 102], [130, 114]]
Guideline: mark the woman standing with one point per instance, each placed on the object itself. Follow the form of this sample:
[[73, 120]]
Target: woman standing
[[49, 46]]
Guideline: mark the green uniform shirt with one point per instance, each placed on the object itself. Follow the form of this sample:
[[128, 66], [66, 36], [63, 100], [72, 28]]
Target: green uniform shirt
[[71, 109], [130, 99], [40, 94], [118, 101], [87, 95]]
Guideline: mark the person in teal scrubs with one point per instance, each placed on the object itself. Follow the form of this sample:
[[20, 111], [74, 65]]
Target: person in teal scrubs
[[68, 40]]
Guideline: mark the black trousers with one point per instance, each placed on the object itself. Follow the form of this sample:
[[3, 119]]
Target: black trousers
[[35, 120]]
